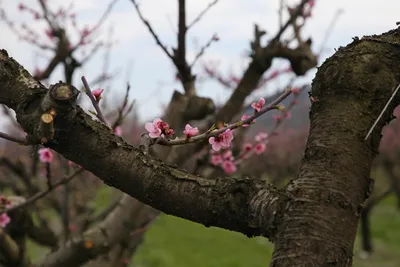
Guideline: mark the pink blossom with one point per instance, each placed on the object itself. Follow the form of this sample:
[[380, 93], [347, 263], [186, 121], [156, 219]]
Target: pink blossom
[[216, 160], [228, 155], [223, 140], [190, 131], [229, 167], [294, 102], [169, 132], [247, 147], [215, 38], [258, 105], [261, 136], [259, 148], [277, 118], [245, 117], [21, 6], [295, 90], [49, 33], [287, 115], [4, 220], [46, 155], [5, 202], [72, 227], [118, 130], [85, 32], [153, 129], [97, 93], [37, 72]]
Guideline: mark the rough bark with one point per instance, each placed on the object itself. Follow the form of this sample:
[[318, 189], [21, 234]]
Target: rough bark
[[313, 220], [318, 227]]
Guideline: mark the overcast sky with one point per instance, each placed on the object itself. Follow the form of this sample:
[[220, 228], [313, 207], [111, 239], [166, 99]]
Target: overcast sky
[[150, 72]]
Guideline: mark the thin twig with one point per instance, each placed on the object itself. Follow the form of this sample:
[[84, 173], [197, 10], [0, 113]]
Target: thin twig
[[124, 110], [153, 33], [94, 102], [280, 12], [202, 13], [383, 111], [330, 29], [42, 194], [203, 49], [290, 21], [15, 139]]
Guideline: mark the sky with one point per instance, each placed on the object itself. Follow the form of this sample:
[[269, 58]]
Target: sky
[[136, 58]]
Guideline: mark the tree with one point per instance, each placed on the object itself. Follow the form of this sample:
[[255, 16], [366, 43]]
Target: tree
[[323, 203]]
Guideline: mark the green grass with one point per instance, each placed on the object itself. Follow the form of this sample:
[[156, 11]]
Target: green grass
[[175, 242]]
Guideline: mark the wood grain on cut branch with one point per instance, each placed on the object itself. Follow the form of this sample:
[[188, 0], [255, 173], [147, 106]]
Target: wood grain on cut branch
[[223, 202]]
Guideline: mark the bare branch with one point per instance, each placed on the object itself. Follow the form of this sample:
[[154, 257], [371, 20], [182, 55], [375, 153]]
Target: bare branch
[[214, 38], [202, 13], [153, 33], [42, 194], [21, 141]]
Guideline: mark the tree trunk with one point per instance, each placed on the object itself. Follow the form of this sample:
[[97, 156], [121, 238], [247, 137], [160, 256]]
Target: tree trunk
[[318, 224]]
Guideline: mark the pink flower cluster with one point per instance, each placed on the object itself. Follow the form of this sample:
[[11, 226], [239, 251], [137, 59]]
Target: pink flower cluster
[[158, 128], [221, 141], [190, 131], [259, 148], [4, 219], [46, 155], [225, 160]]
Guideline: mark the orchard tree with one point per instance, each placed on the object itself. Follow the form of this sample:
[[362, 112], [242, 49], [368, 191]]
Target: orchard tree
[[323, 203]]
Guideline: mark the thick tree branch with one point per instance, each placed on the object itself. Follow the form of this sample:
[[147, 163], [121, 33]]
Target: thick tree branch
[[223, 202]]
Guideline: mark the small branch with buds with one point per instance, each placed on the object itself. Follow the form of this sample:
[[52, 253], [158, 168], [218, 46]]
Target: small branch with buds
[[95, 102], [147, 141]]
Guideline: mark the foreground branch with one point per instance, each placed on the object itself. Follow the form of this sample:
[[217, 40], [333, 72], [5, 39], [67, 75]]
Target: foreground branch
[[222, 202]]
